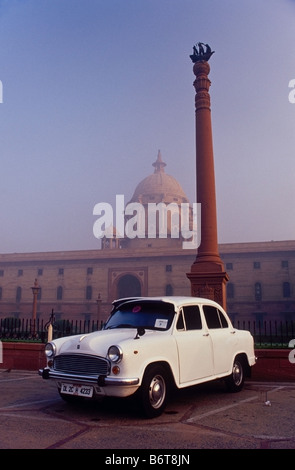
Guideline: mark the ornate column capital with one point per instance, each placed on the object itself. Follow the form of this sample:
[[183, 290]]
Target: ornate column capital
[[202, 85]]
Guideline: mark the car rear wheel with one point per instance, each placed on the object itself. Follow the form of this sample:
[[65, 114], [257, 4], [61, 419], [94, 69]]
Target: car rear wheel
[[235, 381], [153, 393]]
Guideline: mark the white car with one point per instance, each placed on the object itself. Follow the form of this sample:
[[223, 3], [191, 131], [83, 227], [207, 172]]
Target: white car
[[148, 345]]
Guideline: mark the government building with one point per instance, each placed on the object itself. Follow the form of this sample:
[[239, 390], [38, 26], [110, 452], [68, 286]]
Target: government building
[[81, 285]]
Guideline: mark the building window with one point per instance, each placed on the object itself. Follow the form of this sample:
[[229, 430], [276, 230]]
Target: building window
[[1, 272], [168, 268], [230, 290], [89, 270], [229, 266], [285, 264], [18, 294], [59, 293], [40, 272], [286, 289], [61, 271], [256, 265], [88, 293], [258, 291], [39, 293], [0, 293], [20, 272], [169, 289]]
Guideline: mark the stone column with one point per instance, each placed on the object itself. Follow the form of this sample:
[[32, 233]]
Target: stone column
[[208, 277]]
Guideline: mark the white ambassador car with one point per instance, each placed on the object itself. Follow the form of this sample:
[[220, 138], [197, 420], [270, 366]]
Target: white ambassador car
[[149, 345]]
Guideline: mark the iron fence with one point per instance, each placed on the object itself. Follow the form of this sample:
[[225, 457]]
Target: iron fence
[[15, 329], [270, 333]]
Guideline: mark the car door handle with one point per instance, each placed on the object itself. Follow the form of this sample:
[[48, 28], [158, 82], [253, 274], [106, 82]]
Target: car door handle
[[233, 332], [206, 334]]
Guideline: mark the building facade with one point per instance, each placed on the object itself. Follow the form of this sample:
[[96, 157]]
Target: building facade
[[81, 285]]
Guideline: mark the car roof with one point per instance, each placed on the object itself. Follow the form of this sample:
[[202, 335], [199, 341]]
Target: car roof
[[175, 300]]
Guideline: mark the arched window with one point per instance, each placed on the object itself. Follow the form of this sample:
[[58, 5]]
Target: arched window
[[59, 293], [258, 291], [286, 289], [169, 289], [128, 286], [18, 294], [230, 290], [88, 292]]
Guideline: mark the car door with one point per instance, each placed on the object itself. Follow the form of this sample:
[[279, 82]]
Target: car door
[[194, 346], [223, 338]]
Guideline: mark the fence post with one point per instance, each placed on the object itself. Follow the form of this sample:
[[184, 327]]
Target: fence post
[[50, 327]]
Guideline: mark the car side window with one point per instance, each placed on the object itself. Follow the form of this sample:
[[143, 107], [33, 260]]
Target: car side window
[[180, 323], [192, 317], [214, 317], [223, 320]]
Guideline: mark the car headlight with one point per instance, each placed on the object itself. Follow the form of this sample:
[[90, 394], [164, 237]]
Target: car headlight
[[115, 354], [50, 349]]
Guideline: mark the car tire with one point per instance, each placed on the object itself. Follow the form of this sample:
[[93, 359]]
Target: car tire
[[153, 393], [235, 381]]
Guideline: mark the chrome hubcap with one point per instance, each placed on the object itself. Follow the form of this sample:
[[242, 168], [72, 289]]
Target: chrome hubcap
[[237, 373], [157, 391]]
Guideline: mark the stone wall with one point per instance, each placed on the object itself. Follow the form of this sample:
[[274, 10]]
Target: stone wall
[[23, 356]]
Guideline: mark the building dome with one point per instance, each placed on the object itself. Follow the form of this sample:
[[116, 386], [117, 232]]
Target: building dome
[[159, 187], [162, 197]]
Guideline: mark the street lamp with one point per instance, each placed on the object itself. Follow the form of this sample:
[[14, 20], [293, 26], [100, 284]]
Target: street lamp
[[35, 290]]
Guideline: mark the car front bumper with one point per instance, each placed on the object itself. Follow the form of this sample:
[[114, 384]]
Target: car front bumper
[[100, 380]]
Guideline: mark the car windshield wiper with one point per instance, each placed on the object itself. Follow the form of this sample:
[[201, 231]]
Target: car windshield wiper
[[121, 325]]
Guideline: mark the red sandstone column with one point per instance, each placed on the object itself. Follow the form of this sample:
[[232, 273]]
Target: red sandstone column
[[207, 276]]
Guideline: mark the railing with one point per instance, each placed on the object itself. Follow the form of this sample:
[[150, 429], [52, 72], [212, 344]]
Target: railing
[[268, 333], [15, 329]]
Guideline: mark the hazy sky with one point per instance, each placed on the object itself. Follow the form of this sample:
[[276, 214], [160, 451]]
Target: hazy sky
[[92, 89]]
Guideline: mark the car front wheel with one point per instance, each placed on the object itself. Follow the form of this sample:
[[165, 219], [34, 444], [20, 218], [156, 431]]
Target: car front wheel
[[153, 393], [235, 381]]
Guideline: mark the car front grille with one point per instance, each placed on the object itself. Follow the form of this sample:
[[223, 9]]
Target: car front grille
[[81, 364]]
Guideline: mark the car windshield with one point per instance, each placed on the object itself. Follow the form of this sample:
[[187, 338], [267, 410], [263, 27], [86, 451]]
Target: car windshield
[[142, 314]]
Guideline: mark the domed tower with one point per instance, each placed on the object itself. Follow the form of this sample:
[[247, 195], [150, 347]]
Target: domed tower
[[158, 215], [144, 236], [161, 197], [159, 187]]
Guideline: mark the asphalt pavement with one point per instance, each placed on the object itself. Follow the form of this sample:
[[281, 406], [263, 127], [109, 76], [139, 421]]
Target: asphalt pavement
[[33, 416]]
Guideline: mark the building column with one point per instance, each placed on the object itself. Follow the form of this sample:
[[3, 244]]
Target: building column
[[207, 276]]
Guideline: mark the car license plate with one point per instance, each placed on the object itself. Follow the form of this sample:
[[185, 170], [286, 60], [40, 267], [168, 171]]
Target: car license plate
[[77, 390]]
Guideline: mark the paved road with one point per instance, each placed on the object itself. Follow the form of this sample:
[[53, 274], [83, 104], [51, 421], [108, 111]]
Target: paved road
[[32, 416]]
